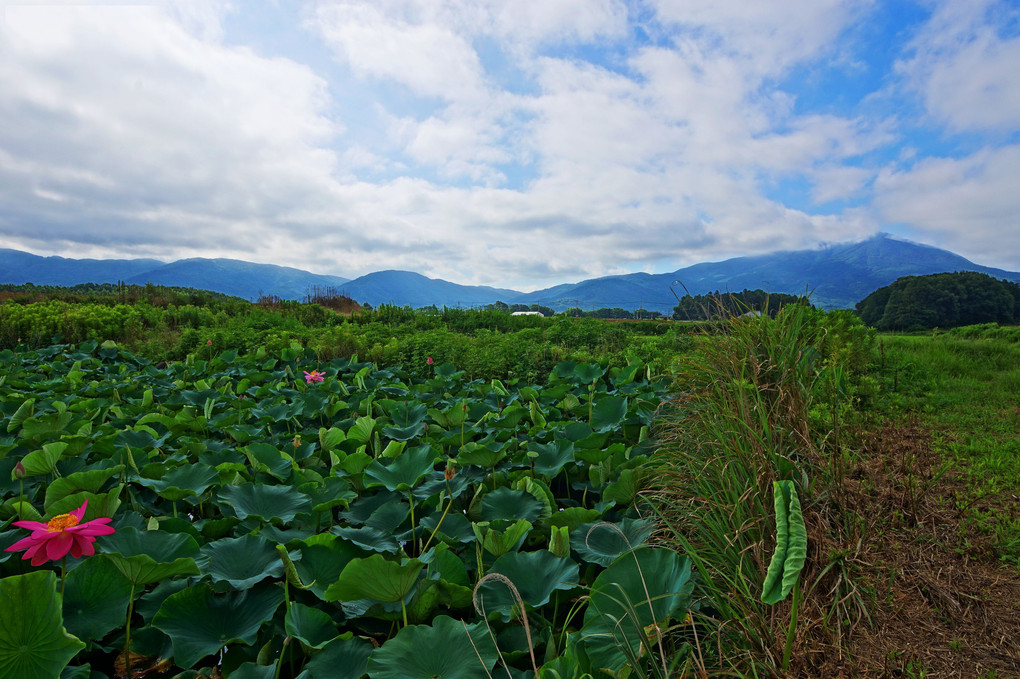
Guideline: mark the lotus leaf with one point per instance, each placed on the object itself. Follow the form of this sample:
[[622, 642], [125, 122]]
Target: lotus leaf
[[446, 649], [264, 502], [144, 557], [375, 577], [791, 544], [507, 503], [401, 473], [240, 562], [200, 623], [641, 588], [536, 575], [343, 658], [311, 626], [95, 598], [323, 558], [33, 641]]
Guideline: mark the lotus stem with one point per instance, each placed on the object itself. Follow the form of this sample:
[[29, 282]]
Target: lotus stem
[[793, 625], [127, 630]]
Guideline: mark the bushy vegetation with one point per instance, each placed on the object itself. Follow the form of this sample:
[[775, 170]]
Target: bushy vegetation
[[762, 400], [943, 300], [486, 342], [724, 305]]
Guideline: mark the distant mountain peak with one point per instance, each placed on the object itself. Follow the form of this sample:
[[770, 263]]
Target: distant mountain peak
[[838, 276]]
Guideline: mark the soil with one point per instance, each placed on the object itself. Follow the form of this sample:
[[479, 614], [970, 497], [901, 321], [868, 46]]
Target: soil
[[940, 601]]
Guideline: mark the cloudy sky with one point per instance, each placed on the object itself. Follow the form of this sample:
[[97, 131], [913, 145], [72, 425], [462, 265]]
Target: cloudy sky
[[518, 143]]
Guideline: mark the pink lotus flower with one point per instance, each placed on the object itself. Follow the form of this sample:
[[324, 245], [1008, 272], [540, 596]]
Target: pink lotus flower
[[58, 536], [314, 376], [429, 360], [208, 342]]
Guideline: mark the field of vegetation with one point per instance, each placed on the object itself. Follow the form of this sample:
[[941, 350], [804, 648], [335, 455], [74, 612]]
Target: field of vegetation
[[204, 487]]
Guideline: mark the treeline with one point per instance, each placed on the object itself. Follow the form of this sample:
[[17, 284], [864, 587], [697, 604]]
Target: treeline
[[728, 304], [942, 300], [116, 293]]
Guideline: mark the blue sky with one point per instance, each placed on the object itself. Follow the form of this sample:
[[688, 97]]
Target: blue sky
[[516, 143]]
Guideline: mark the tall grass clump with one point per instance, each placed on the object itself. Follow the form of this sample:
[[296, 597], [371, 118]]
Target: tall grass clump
[[760, 400]]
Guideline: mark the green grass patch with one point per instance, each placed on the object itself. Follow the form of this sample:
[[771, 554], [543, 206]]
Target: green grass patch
[[965, 386]]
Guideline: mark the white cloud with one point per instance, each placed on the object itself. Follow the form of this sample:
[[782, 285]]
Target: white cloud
[[965, 69], [131, 118], [969, 205], [461, 138]]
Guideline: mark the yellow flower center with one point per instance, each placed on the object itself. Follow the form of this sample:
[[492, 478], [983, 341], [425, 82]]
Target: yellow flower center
[[62, 522]]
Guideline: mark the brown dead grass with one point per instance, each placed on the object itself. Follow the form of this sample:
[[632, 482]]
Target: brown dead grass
[[940, 604]]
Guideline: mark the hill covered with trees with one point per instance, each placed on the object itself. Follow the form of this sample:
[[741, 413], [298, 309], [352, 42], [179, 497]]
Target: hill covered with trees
[[942, 300]]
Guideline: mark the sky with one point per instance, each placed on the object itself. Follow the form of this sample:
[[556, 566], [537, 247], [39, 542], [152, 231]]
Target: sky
[[513, 143]]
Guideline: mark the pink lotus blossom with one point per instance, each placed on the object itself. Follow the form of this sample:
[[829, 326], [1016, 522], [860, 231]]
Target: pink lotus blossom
[[314, 376], [429, 360], [58, 536], [208, 341]]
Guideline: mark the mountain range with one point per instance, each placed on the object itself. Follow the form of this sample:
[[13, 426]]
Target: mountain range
[[837, 276]]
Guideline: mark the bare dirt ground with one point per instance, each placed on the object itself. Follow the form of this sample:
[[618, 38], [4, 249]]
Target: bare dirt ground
[[940, 602]]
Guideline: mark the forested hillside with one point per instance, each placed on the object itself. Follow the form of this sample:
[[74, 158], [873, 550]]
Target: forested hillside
[[944, 300]]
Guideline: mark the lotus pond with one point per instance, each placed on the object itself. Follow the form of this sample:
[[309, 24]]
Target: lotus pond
[[371, 524]]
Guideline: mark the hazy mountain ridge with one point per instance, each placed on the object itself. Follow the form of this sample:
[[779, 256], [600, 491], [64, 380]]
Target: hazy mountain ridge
[[837, 277]]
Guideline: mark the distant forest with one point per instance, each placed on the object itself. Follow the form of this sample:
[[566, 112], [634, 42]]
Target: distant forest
[[724, 304], [942, 300]]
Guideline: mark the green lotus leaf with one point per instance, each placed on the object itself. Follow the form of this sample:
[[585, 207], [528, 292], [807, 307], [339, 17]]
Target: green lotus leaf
[[791, 544], [144, 557], [572, 517], [408, 421], [446, 649], [24, 411], [200, 623], [33, 641], [402, 473], [332, 491], [369, 538], [90, 481], [187, 480], [499, 540], [602, 542], [142, 438], [265, 502], [552, 457], [343, 658], [310, 626], [639, 589], [536, 575], [625, 488], [588, 373], [507, 503], [96, 596], [446, 565], [100, 505], [362, 430], [247, 670], [270, 460], [241, 562], [375, 577], [429, 595], [76, 672], [486, 456], [44, 425], [44, 460], [330, 438], [455, 526], [608, 413]]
